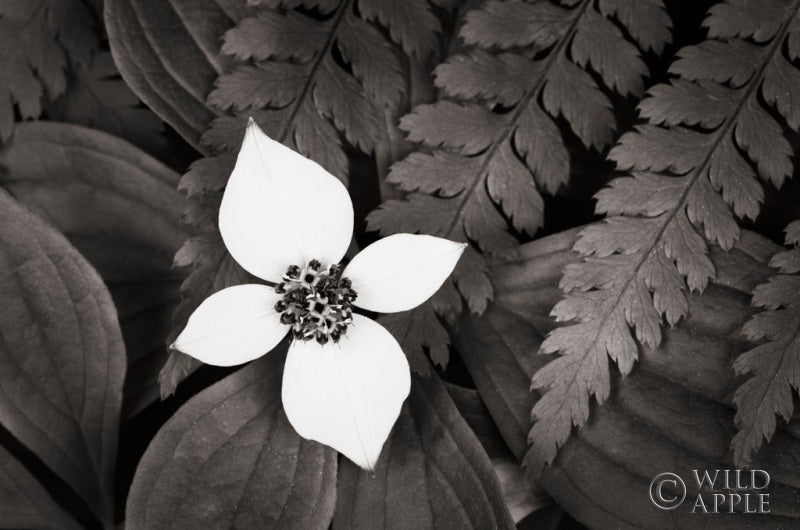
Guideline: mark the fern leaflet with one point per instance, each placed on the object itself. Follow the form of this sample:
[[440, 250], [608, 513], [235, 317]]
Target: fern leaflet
[[774, 366], [692, 167], [488, 150], [39, 41]]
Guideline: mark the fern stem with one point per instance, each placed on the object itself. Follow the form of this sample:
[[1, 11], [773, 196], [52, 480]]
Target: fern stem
[[326, 49], [723, 131], [531, 94], [394, 146]]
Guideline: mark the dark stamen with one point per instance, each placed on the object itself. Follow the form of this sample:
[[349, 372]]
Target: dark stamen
[[293, 271], [316, 303]]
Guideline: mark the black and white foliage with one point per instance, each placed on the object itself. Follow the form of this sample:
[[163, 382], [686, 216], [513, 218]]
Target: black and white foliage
[[774, 366], [711, 135], [492, 145], [469, 120]]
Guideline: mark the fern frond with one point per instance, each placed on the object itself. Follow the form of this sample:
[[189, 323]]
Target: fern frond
[[291, 70], [410, 23], [686, 185], [39, 42], [774, 366], [487, 152]]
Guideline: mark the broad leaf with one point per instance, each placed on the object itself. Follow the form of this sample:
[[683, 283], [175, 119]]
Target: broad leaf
[[230, 458], [168, 53], [62, 355], [684, 189], [487, 153], [674, 412], [119, 207], [24, 503], [432, 473], [521, 496]]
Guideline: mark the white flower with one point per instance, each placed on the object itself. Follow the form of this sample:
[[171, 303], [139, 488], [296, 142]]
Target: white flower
[[288, 221]]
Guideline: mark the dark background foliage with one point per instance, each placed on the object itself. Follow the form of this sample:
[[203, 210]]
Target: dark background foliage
[[439, 88]]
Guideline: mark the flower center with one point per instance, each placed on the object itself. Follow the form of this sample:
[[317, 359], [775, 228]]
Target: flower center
[[316, 302]]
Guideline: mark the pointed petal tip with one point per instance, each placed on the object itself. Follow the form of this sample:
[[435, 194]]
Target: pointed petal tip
[[274, 204], [347, 398], [369, 467]]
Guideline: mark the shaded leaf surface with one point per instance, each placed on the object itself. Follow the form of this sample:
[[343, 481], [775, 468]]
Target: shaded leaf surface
[[432, 473], [522, 497], [96, 97], [684, 189], [168, 54], [674, 412], [62, 355], [230, 458], [24, 503], [120, 209]]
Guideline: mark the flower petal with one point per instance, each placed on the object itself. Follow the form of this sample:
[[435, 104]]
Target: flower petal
[[347, 395], [401, 271], [281, 209], [233, 326]]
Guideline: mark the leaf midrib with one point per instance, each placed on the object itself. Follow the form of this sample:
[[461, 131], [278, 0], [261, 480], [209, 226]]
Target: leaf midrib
[[315, 66], [512, 122], [722, 133]]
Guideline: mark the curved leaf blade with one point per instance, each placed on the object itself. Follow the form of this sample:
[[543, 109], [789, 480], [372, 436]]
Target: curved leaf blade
[[120, 209], [674, 412], [168, 54], [24, 503], [230, 458], [62, 354], [432, 473]]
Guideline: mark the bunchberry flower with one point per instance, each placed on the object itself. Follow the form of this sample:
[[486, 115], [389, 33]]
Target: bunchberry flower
[[288, 221]]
